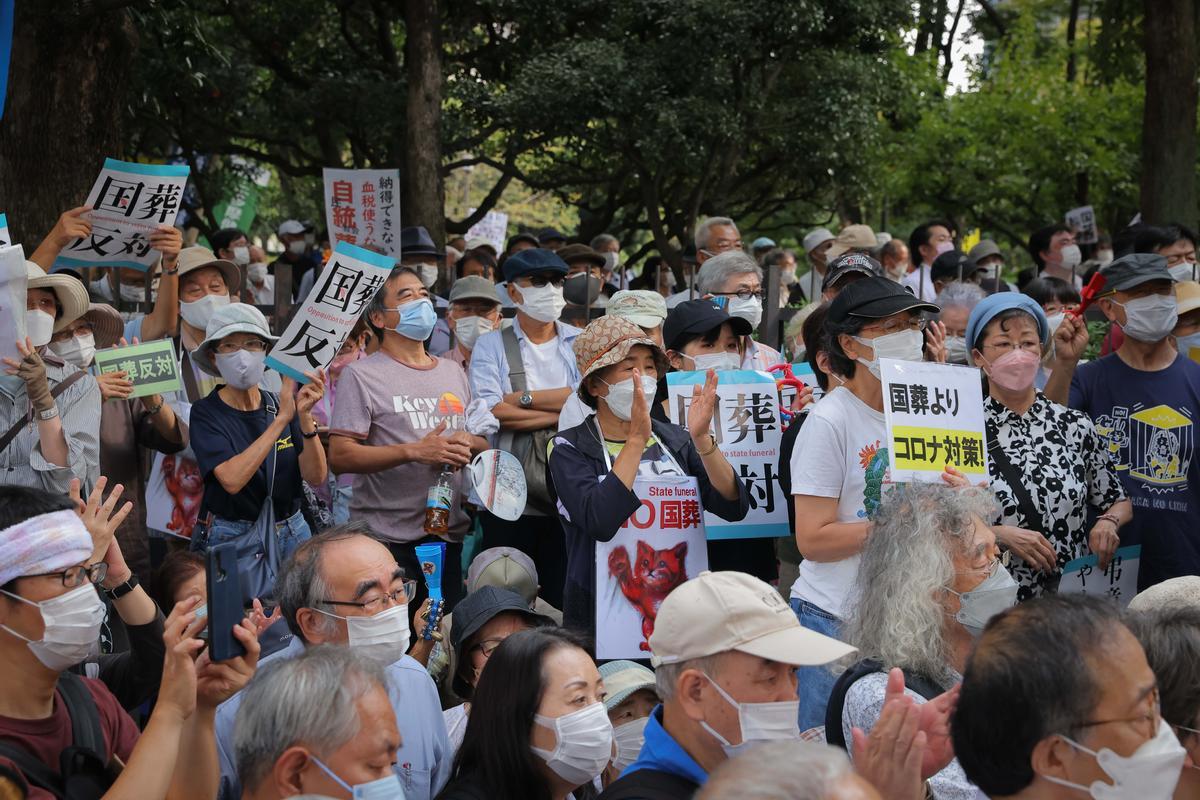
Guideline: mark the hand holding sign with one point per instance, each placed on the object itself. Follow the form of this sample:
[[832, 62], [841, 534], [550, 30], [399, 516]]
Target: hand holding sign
[[71, 225], [935, 339], [169, 241], [1104, 541], [311, 393], [32, 370]]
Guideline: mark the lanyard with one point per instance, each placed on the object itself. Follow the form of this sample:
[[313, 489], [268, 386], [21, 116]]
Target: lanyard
[[667, 455]]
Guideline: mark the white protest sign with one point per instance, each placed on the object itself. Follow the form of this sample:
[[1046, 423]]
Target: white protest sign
[[334, 304], [934, 415], [12, 300], [1083, 221], [5, 236], [1119, 581], [129, 202], [747, 428], [493, 227], [659, 547], [362, 207], [174, 487]]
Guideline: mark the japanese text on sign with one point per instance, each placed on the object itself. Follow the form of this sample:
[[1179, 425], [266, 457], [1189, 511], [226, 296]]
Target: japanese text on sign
[[1119, 581], [152, 367], [1082, 220], [493, 227], [362, 207]]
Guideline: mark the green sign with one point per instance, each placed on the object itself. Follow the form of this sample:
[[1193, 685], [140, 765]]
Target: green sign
[[152, 367], [239, 210]]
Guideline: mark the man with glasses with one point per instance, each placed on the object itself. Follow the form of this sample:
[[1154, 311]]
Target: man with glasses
[[343, 587], [1029, 728], [735, 280]]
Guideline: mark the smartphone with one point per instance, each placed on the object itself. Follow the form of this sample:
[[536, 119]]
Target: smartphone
[[224, 603]]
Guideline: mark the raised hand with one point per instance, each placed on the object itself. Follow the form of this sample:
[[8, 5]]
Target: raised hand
[[287, 400], [935, 337], [1070, 340], [890, 757], [32, 370], [218, 681], [168, 241], [177, 691], [704, 402], [71, 225], [260, 618], [311, 393], [98, 515], [639, 415]]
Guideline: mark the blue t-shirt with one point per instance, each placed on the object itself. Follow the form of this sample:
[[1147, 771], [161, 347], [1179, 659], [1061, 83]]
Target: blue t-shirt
[[1149, 422], [220, 432]]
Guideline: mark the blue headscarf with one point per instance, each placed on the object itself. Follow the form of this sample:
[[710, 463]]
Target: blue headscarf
[[987, 309]]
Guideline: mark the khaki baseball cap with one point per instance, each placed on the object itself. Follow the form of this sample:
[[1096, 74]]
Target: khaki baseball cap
[[643, 308], [851, 237], [720, 611]]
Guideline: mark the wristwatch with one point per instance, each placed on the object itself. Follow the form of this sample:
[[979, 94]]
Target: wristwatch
[[526, 399], [121, 589], [49, 413]]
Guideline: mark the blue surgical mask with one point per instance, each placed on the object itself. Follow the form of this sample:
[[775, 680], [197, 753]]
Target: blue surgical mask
[[416, 319], [386, 788]]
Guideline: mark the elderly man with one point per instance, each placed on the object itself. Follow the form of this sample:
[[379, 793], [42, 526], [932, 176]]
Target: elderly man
[[737, 280], [318, 724], [893, 257], [342, 587], [816, 245], [1027, 728], [474, 310], [714, 236]]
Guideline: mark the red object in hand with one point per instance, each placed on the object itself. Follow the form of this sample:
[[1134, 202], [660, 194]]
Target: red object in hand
[[1089, 294]]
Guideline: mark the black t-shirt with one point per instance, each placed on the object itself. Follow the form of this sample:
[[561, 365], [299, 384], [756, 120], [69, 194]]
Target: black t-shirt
[[220, 432]]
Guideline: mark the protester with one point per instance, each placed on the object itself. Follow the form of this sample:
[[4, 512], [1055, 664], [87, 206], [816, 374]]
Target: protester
[[616, 278], [953, 266], [296, 255], [893, 257], [419, 254], [474, 310], [524, 374], [319, 724], [845, 269], [852, 239], [1187, 331], [596, 466], [49, 409], [342, 587], [551, 239], [1057, 298], [631, 695], [1142, 399], [181, 575], [927, 242], [1056, 254], [260, 284], [956, 301], [337, 491], [784, 261], [1026, 727], [231, 244], [1175, 243], [736, 280], [816, 246], [790, 771], [988, 257], [716, 235], [478, 261]]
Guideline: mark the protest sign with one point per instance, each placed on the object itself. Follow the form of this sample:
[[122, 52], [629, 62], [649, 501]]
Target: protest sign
[[151, 366], [1119, 581], [747, 428], [334, 304], [174, 487], [362, 207], [129, 202], [1082, 220], [5, 236], [12, 300], [240, 206], [493, 227], [934, 415]]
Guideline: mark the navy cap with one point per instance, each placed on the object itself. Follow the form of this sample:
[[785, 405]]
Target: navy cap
[[550, 235], [693, 317], [859, 263], [1135, 269], [946, 267], [521, 237], [532, 262], [416, 241], [875, 298]]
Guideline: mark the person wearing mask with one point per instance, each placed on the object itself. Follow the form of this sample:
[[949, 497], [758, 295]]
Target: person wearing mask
[[953, 266], [725, 686], [816, 246], [479, 261], [231, 244], [343, 588], [49, 409], [584, 287], [789, 288], [893, 257], [1029, 729], [524, 374], [1175, 243], [318, 725], [760, 247], [1187, 330], [296, 257], [1056, 254], [840, 459], [605, 467], [253, 448], [1142, 399], [930, 577], [420, 254], [616, 278], [736, 280], [716, 235], [1057, 298], [956, 300], [927, 242], [631, 695], [474, 310], [986, 256], [260, 284]]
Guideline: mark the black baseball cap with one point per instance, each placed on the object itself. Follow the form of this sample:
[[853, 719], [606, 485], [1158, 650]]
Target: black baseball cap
[[946, 267], [857, 263], [875, 298], [476, 610], [1135, 269], [693, 317]]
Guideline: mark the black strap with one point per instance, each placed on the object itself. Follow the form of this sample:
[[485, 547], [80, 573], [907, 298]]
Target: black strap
[[1025, 505], [86, 736], [920, 684], [34, 771], [650, 784], [512, 353], [188, 373], [57, 390]]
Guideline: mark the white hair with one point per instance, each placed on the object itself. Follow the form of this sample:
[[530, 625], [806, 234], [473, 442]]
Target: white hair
[[959, 294], [788, 770], [720, 268], [703, 229]]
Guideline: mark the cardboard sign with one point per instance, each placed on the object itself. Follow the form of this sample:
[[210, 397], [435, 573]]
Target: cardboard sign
[[747, 428], [129, 202], [174, 488], [362, 207], [334, 304], [1119, 581], [934, 415], [151, 366], [12, 300], [493, 227], [1082, 220], [5, 236], [658, 548]]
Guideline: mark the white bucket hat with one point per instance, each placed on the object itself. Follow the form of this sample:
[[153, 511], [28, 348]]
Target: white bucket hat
[[233, 318]]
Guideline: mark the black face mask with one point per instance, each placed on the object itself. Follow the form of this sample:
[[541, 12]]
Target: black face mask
[[581, 289]]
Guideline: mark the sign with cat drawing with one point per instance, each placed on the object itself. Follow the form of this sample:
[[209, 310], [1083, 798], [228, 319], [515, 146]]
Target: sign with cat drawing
[[174, 488]]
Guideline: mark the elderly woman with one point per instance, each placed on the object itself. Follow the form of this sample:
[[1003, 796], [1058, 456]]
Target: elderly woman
[[929, 579], [594, 466], [957, 300], [1047, 464], [253, 448]]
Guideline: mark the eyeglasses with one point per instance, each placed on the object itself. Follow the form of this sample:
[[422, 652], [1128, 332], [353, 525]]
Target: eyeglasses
[[74, 577], [408, 591], [542, 280], [1001, 560], [895, 326], [1006, 347], [252, 346], [488, 646], [1149, 719], [744, 294]]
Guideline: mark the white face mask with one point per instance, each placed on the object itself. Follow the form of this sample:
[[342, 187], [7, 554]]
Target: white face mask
[[72, 627], [904, 345], [386, 788], [629, 738], [1104, 257], [620, 396], [750, 309], [257, 272], [956, 350], [382, 637], [39, 327], [78, 350], [428, 273], [759, 722], [199, 312], [721, 362], [241, 369], [584, 744], [132, 293], [1071, 256], [1183, 272], [997, 593], [297, 247], [610, 260], [543, 303], [1151, 772], [241, 256], [468, 329], [1150, 318]]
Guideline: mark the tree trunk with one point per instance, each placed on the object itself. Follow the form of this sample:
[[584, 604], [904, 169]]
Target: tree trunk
[[64, 111], [1168, 186], [423, 201]]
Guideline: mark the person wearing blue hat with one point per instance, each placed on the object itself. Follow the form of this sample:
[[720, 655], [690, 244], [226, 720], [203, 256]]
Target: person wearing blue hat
[[524, 374], [1048, 467], [1145, 401]]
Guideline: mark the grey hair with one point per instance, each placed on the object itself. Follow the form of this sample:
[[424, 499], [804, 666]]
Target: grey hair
[[377, 304], [604, 239], [896, 615], [666, 676], [705, 227], [301, 582], [789, 770], [961, 295], [720, 268], [310, 700]]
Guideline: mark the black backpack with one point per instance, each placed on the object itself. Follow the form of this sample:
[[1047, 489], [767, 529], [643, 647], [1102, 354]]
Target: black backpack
[[83, 772], [650, 784], [837, 697]]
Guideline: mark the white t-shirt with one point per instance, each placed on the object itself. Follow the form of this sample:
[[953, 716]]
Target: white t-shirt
[[918, 280], [265, 295], [840, 452], [573, 412], [544, 367]]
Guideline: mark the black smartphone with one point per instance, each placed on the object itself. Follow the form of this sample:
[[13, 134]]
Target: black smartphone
[[224, 603]]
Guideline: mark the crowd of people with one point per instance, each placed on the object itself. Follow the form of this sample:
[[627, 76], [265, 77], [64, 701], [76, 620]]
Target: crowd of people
[[908, 639]]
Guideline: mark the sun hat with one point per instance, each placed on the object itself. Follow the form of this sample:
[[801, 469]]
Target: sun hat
[[228, 319]]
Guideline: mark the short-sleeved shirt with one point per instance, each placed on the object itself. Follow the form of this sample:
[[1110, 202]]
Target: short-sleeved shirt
[[382, 401], [1148, 422], [219, 432], [47, 738], [840, 452], [1066, 470]]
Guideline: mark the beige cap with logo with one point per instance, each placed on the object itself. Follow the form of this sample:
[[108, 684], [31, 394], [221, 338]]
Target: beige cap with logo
[[719, 611]]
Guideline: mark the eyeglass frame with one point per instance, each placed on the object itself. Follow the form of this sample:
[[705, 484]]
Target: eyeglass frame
[[409, 588], [96, 573], [1153, 717], [228, 348], [743, 294]]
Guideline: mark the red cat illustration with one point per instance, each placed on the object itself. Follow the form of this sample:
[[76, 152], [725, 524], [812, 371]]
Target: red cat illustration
[[186, 487], [655, 575]]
